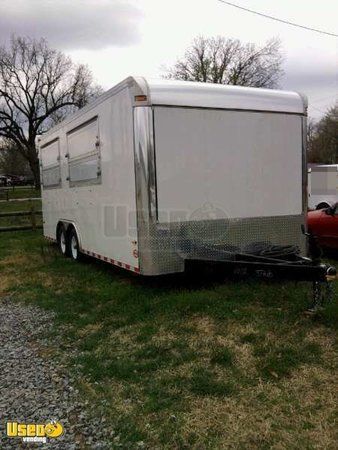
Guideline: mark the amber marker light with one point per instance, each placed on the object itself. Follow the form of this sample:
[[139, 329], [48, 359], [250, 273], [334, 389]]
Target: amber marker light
[[140, 98]]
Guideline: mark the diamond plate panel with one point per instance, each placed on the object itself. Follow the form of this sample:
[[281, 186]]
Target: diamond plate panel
[[166, 246]]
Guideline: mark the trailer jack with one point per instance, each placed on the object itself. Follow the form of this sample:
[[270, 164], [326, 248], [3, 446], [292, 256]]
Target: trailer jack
[[323, 293], [323, 290]]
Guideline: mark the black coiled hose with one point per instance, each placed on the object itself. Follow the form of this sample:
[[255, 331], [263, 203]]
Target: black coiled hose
[[272, 251]]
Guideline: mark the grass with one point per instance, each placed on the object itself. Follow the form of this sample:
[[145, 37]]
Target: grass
[[22, 192], [20, 206], [178, 362]]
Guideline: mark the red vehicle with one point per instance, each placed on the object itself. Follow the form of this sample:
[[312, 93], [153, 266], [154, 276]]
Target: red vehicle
[[323, 223]]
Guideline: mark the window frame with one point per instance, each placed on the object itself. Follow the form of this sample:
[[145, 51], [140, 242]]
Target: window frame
[[48, 167], [94, 154]]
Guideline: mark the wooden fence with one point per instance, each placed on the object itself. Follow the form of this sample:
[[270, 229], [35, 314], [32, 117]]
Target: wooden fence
[[32, 214], [4, 194], [7, 192]]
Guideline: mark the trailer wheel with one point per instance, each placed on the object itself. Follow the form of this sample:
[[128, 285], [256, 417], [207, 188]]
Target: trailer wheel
[[74, 247], [62, 240]]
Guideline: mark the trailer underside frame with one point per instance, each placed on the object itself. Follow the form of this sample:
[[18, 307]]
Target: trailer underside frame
[[292, 268]]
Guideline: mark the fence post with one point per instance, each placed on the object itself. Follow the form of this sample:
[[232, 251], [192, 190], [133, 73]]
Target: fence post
[[33, 218]]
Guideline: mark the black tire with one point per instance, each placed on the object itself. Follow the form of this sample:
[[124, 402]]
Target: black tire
[[73, 246], [62, 240]]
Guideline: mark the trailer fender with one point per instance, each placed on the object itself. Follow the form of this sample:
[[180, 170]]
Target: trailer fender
[[69, 224]]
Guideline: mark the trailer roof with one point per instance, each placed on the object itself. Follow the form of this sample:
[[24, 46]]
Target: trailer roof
[[198, 95], [208, 95]]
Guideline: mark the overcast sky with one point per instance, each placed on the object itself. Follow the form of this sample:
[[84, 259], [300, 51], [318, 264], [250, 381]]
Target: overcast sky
[[138, 37]]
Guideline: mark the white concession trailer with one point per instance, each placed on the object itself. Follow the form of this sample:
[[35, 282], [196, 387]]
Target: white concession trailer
[[154, 173]]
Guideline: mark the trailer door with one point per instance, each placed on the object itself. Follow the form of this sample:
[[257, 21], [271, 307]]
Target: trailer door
[[246, 164]]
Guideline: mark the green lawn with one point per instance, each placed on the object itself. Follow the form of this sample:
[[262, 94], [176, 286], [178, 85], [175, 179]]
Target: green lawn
[[180, 363], [21, 192]]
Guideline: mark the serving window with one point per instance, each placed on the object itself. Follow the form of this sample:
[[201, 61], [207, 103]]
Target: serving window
[[84, 161], [50, 164]]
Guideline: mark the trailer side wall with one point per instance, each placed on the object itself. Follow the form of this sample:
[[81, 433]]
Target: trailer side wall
[[102, 208]]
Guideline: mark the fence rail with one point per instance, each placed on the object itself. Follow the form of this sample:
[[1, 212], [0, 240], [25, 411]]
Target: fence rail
[[10, 193], [32, 214], [14, 187]]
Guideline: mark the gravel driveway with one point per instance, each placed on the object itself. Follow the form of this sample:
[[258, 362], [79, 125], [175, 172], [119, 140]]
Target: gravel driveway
[[35, 389]]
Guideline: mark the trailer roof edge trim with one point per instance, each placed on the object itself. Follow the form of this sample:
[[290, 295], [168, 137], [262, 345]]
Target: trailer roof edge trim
[[199, 95], [209, 95]]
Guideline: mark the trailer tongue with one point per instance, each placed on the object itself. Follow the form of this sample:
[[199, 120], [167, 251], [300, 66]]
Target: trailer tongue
[[271, 261]]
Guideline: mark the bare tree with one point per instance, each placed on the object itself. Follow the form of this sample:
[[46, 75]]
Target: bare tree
[[38, 87], [323, 139], [11, 160], [228, 61]]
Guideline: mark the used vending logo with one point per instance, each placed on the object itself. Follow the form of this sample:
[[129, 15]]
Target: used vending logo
[[34, 432]]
